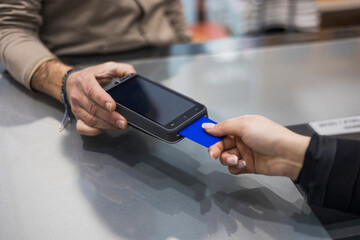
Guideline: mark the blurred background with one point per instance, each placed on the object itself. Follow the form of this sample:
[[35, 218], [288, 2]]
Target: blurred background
[[214, 19]]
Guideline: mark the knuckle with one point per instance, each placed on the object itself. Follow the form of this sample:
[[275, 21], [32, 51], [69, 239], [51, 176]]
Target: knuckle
[[90, 90], [130, 66], [109, 63], [74, 78], [93, 109], [74, 99], [79, 86], [223, 162], [80, 130], [108, 116], [91, 121], [233, 171], [79, 127], [83, 129], [108, 126]]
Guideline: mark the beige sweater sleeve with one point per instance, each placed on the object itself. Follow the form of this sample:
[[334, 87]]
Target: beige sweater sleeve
[[21, 51], [174, 12]]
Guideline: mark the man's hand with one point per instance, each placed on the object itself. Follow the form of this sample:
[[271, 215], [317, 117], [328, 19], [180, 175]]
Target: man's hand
[[92, 106], [255, 144]]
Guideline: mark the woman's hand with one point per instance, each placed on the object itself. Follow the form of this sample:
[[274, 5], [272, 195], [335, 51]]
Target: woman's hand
[[255, 144]]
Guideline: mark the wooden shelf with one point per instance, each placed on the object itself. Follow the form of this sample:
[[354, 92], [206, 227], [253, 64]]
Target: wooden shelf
[[338, 5]]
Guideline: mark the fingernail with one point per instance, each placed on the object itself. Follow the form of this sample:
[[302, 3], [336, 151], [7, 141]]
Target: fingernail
[[120, 123], [241, 164], [208, 125], [108, 106], [212, 155], [233, 160]]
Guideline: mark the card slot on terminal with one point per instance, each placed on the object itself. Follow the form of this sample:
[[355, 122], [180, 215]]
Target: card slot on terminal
[[196, 133]]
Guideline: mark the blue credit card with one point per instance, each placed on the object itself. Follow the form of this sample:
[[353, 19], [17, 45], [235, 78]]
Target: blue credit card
[[196, 133]]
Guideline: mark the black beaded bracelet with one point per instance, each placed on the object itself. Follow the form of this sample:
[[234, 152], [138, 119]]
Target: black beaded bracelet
[[64, 98]]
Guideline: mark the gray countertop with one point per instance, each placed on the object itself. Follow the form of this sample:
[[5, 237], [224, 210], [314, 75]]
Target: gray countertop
[[127, 185]]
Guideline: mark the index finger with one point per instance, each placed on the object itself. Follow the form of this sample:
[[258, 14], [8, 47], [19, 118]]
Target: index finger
[[113, 69], [124, 69], [100, 96], [95, 92], [234, 126]]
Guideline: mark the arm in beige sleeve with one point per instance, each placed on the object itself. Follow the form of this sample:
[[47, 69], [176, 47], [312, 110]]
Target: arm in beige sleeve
[[175, 13], [21, 51]]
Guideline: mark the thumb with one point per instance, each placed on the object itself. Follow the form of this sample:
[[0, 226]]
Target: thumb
[[228, 127]]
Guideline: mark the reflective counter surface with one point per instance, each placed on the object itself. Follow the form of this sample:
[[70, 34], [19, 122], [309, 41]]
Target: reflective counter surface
[[127, 185]]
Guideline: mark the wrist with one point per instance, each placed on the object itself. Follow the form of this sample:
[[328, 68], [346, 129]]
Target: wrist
[[64, 96], [296, 149], [48, 78]]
